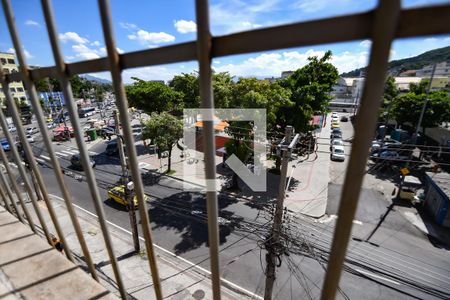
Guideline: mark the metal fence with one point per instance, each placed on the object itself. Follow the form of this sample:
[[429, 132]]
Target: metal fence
[[381, 25]]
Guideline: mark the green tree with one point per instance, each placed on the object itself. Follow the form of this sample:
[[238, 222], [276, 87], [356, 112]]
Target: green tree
[[239, 145], [164, 130], [406, 109], [153, 96], [310, 87], [254, 93], [187, 84], [223, 89]]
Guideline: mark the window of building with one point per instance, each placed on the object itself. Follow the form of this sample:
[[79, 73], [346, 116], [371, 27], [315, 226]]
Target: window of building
[[6, 70], [3, 60], [13, 90], [11, 61], [13, 71], [16, 99], [19, 89], [23, 98]]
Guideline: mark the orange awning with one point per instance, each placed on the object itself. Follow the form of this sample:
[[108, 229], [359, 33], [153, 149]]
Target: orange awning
[[220, 126]]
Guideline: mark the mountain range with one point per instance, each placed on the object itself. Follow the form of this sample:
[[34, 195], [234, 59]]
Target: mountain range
[[396, 67]]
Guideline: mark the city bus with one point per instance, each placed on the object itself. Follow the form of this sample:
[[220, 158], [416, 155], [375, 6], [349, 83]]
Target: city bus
[[86, 112]]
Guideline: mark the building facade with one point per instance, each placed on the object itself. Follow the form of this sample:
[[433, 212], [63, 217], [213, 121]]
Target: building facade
[[442, 69], [52, 101], [17, 90]]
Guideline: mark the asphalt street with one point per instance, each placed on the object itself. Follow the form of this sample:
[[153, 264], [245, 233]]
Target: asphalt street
[[396, 263]]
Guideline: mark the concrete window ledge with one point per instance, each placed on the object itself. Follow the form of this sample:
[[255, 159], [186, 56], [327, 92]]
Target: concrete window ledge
[[32, 269]]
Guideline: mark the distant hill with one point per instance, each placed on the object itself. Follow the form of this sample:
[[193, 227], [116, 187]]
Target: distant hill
[[395, 67], [96, 79]]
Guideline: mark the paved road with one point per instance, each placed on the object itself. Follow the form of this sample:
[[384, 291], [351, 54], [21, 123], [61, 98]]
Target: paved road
[[399, 263]]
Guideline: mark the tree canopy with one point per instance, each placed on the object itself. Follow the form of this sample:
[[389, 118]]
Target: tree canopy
[[310, 88], [153, 96], [164, 130]]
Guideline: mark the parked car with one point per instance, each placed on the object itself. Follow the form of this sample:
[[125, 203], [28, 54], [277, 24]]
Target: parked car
[[336, 135], [337, 153], [51, 125], [12, 129], [117, 194], [389, 155], [5, 145], [376, 144], [76, 162], [335, 125], [344, 119], [336, 142], [30, 138], [31, 130]]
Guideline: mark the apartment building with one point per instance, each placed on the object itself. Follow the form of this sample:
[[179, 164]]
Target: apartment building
[[17, 90]]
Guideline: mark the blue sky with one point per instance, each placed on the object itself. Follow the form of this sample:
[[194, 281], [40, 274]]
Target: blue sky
[[142, 24]]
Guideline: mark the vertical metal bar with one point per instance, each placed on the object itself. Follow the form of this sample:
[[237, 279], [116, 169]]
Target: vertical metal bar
[[10, 195], [71, 107], [384, 28], [3, 196], [42, 125], [204, 44], [114, 64], [21, 168], [16, 189]]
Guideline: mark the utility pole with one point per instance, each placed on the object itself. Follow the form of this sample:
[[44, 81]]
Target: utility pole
[[273, 246], [129, 195], [120, 146]]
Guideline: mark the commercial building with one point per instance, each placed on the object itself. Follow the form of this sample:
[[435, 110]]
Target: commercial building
[[52, 101]]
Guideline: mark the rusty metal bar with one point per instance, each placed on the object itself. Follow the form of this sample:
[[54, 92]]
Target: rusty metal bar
[[204, 48], [383, 32], [42, 125], [70, 104], [23, 173], [434, 20], [16, 190], [122, 105], [10, 195]]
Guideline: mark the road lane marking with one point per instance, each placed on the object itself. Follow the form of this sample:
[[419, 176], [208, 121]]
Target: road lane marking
[[40, 160], [61, 154], [45, 157], [231, 284], [377, 276]]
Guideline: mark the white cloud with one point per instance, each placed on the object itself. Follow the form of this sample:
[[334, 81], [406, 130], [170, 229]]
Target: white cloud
[[84, 52], [95, 43], [447, 39], [366, 44], [120, 50], [25, 52], [430, 40], [149, 73], [233, 16], [146, 37], [184, 26], [273, 63], [72, 37], [129, 26], [32, 23]]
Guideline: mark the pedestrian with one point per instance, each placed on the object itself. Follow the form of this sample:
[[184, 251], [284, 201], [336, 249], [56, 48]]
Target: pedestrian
[[57, 244]]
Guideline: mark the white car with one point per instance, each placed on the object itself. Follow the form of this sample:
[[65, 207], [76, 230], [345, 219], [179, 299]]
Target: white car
[[336, 142], [31, 130], [12, 129], [337, 153], [30, 138], [334, 114]]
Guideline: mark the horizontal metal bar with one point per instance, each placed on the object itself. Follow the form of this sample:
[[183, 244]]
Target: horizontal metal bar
[[433, 20], [164, 55]]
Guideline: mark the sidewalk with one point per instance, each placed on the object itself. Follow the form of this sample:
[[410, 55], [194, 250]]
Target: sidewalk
[[309, 180], [180, 279]]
